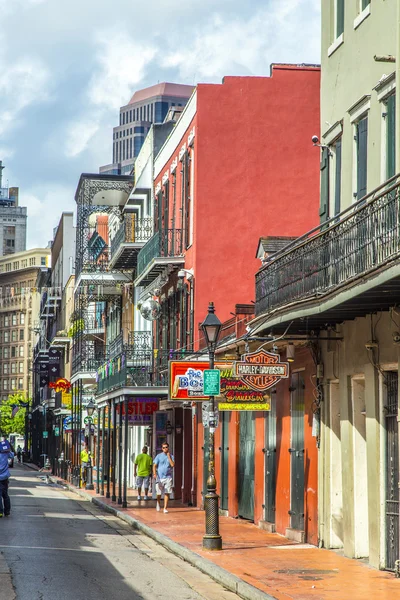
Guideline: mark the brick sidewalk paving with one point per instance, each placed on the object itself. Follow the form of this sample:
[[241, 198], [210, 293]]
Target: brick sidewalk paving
[[273, 564]]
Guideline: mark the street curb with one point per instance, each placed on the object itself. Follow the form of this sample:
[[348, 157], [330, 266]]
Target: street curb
[[228, 580], [31, 466]]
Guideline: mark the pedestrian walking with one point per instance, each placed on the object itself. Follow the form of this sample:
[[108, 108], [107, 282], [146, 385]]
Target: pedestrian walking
[[84, 462], [162, 473], [19, 453], [5, 454], [143, 464]]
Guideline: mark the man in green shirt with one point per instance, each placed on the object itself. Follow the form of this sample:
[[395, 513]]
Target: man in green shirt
[[143, 465]]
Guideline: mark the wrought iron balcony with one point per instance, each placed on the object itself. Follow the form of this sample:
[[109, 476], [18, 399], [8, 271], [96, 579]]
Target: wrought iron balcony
[[87, 357], [129, 239], [357, 244], [163, 248]]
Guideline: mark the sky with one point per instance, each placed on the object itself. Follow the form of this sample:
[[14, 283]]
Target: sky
[[67, 66]]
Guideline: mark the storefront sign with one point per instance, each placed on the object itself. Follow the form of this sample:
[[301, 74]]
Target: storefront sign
[[186, 380], [242, 383], [244, 406], [66, 400], [60, 385], [56, 431], [140, 410], [260, 370]]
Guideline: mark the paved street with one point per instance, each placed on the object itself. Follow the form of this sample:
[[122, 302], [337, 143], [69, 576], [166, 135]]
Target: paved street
[[57, 547]]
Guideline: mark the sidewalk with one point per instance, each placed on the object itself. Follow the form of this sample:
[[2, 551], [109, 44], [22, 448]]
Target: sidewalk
[[253, 563]]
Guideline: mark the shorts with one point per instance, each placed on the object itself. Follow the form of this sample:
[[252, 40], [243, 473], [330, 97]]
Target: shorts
[[145, 481], [164, 486]]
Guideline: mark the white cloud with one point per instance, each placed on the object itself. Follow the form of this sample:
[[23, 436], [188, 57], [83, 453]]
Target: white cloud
[[45, 204], [122, 63], [21, 84], [239, 46], [79, 134]]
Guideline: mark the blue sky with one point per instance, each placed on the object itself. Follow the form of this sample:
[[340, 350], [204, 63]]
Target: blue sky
[[67, 67]]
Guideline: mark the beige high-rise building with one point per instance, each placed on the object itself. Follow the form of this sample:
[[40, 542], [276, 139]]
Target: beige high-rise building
[[19, 309]]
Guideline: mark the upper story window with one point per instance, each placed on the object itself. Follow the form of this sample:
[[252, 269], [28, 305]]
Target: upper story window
[[362, 156], [43, 261], [339, 18], [365, 3], [364, 10], [391, 136]]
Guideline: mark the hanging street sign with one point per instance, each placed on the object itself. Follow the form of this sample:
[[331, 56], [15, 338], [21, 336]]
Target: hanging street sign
[[45, 434], [212, 382], [186, 380], [56, 431], [260, 370]]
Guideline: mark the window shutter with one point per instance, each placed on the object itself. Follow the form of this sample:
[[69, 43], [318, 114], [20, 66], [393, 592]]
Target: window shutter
[[362, 136], [339, 17], [391, 136], [324, 200], [338, 175]]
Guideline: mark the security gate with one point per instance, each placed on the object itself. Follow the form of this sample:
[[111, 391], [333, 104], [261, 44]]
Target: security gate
[[224, 417], [246, 464], [392, 471], [297, 452], [270, 461]]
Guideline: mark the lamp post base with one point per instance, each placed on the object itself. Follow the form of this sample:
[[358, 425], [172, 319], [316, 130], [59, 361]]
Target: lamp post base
[[212, 542], [212, 539]]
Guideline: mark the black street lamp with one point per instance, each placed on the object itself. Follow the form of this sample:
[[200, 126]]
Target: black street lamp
[[90, 408], [212, 540]]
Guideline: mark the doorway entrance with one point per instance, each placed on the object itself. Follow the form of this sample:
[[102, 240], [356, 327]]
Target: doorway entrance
[[270, 461], [225, 418], [392, 472], [246, 464], [296, 450]]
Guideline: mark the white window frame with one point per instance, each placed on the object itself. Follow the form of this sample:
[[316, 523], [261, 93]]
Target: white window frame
[[362, 14], [357, 112]]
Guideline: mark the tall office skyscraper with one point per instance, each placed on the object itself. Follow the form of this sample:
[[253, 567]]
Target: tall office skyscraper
[[12, 220], [146, 107]]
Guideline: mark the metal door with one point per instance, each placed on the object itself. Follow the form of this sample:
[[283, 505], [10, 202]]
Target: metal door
[[270, 461], [392, 472], [224, 418], [297, 452], [246, 464]]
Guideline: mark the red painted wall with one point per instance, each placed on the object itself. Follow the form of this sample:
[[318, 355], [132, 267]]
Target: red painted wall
[[257, 175]]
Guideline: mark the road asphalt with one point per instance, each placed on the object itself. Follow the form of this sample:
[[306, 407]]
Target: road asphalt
[[57, 547]]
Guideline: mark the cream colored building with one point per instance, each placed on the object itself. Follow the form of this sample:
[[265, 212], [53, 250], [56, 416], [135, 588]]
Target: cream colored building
[[337, 289], [19, 310]]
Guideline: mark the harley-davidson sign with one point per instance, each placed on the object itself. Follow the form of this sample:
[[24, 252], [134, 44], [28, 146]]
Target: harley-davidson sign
[[260, 370]]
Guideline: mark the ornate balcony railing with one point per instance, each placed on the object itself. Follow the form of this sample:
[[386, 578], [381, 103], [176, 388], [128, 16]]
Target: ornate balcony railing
[[87, 357], [161, 244], [132, 231], [361, 239]]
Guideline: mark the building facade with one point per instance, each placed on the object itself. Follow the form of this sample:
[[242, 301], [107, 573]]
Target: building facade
[[337, 286], [205, 224], [146, 107], [19, 307], [13, 219]]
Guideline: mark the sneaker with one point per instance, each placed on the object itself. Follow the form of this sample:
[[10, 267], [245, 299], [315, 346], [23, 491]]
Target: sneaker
[[157, 506], [165, 511], [6, 514], [145, 497], [139, 497]]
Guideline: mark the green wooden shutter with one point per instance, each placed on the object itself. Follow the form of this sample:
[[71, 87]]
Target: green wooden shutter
[[339, 17], [324, 200], [338, 175], [362, 137], [391, 136]]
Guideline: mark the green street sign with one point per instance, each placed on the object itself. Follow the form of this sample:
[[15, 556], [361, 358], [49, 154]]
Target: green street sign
[[56, 431], [87, 420], [212, 382], [45, 434]]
